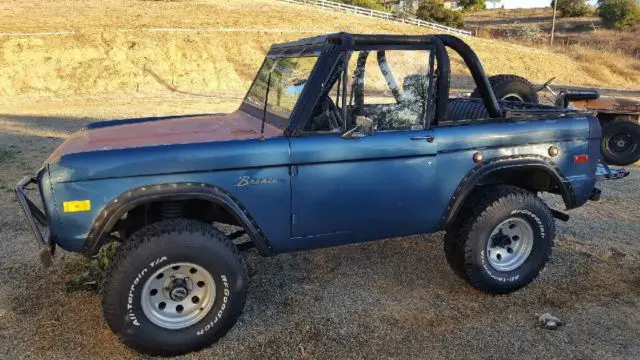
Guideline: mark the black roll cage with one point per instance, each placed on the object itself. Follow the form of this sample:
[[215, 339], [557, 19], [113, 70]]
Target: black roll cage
[[338, 47]]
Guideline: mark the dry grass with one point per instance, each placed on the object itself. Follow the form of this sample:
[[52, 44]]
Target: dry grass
[[602, 65], [537, 16], [611, 41], [114, 48], [604, 54]]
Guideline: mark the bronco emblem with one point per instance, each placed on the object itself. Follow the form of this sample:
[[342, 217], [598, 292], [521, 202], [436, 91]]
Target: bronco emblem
[[246, 180]]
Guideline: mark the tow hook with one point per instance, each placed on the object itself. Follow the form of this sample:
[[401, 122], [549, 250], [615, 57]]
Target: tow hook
[[595, 194], [559, 215]]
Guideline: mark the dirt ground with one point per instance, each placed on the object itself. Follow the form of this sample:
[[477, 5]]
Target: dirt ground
[[389, 299]]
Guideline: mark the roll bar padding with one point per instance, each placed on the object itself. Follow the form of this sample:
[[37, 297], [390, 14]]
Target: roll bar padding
[[477, 72]]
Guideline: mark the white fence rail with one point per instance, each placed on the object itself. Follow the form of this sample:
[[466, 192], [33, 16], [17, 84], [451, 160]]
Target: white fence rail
[[335, 6]]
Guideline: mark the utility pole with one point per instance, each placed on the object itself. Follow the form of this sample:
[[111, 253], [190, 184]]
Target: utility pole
[[553, 24]]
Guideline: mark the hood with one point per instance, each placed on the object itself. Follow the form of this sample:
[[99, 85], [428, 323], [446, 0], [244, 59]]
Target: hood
[[138, 133]]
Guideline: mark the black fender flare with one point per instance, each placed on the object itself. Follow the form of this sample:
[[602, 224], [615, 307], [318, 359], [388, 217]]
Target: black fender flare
[[482, 171], [128, 200]]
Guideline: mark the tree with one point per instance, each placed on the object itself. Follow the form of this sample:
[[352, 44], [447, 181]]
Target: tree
[[572, 8], [472, 4], [434, 11], [619, 14]]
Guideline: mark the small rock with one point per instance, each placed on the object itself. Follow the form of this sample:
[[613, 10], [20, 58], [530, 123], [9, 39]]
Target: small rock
[[549, 321]]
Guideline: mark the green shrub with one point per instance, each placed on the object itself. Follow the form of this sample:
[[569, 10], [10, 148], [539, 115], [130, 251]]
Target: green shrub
[[94, 271], [472, 5], [572, 8], [402, 14], [434, 11], [619, 14], [526, 32]]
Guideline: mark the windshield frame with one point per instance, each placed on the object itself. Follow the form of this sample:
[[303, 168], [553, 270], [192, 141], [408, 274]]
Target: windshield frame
[[273, 118]]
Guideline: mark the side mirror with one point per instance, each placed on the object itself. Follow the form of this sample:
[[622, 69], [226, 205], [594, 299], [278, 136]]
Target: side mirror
[[365, 124], [364, 127]]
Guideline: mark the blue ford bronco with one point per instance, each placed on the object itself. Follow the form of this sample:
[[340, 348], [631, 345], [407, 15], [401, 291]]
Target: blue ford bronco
[[340, 139]]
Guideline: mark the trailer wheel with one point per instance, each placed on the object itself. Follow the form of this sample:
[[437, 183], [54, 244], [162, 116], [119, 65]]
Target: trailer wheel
[[502, 240], [511, 88], [177, 286], [620, 142]]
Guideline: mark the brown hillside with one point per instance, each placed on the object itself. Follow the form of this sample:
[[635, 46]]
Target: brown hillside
[[125, 46]]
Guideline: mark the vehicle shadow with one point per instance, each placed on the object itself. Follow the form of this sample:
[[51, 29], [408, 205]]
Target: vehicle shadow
[[38, 125]]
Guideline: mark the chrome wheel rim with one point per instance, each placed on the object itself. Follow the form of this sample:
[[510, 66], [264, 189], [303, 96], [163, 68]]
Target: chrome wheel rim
[[178, 295], [510, 244]]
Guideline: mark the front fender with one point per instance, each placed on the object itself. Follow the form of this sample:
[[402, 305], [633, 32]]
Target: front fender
[[126, 201]]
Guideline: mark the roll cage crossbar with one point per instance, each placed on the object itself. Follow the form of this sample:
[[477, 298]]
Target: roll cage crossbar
[[346, 42]]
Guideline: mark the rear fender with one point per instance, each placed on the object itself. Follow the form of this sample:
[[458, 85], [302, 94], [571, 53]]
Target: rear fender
[[492, 168]]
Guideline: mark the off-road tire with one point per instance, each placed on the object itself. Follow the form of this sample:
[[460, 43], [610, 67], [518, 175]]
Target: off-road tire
[[616, 156], [466, 240], [161, 244], [505, 85]]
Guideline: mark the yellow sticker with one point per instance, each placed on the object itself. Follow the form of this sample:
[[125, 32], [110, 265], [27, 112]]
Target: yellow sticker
[[76, 206]]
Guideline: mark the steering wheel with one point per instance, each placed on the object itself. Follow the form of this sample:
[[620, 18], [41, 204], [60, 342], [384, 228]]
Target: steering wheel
[[328, 118], [335, 119]]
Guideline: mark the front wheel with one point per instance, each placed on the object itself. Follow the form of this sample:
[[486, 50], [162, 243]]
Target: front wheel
[[503, 240], [620, 143], [176, 287]]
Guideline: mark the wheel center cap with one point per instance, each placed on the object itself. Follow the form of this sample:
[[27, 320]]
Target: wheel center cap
[[179, 289], [178, 293]]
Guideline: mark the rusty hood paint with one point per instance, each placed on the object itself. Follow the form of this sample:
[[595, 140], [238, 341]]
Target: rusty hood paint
[[238, 125]]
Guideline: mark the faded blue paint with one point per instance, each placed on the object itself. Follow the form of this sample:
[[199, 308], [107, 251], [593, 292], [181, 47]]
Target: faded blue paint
[[345, 190]]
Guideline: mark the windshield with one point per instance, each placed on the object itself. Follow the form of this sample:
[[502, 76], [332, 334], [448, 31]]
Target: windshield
[[287, 77]]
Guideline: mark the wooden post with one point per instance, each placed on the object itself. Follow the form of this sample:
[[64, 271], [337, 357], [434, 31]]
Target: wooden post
[[553, 24]]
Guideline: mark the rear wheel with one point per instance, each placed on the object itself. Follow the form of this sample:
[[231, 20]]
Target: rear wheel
[[177, 286], [620, 142], [503, 240]]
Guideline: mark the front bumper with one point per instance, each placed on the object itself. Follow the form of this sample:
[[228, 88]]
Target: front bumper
[[37, 220]]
